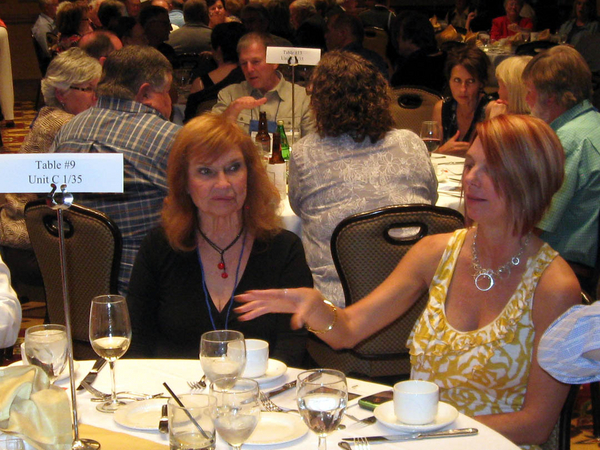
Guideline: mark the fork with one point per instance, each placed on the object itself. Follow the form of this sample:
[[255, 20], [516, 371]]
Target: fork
[[268, 404], [361, 443], [199, 385]]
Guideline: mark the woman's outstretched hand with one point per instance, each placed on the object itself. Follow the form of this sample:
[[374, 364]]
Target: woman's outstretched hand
[[301, 303]]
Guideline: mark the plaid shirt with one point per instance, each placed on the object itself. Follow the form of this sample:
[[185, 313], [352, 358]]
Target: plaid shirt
[[144, 138]]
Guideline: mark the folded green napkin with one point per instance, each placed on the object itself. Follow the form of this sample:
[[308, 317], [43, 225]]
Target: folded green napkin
[[33, 409]]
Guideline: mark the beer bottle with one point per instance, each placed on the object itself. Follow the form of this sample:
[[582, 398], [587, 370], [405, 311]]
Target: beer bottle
[[263, 139], [276, 166]]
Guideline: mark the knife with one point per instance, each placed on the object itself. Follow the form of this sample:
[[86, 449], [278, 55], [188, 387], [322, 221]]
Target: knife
[[91, 376], [418, 436], [291, 385]]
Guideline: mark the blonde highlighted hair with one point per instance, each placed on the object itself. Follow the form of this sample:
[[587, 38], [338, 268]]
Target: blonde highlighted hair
[[510, 72], [525, 160], [206, 138]]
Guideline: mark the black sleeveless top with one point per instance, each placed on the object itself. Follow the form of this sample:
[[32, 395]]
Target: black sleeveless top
[[450, 122]]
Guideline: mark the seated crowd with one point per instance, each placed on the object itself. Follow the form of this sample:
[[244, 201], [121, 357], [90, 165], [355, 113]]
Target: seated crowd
[[204, 246]]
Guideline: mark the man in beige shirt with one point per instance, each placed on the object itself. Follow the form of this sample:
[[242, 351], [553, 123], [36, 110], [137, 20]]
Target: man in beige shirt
[[265, 90]]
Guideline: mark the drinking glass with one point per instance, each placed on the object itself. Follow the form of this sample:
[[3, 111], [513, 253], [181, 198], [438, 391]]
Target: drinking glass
[[222, 354], [322, 401], [110, 335], [431, 134], [238, 409], [46, 346], [11, 443]]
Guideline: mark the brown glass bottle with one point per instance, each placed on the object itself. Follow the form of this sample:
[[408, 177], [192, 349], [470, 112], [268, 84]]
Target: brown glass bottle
[[263, 139], [276, 166], [276, 156]]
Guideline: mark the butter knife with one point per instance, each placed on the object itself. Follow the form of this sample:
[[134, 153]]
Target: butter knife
[[290, 385], [92, 374], [418, 436]]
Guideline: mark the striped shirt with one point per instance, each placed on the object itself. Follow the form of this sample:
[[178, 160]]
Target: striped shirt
[[144, 138], [562, 347]]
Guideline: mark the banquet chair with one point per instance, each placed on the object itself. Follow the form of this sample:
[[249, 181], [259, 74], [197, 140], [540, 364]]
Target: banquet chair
[[366, 247], [412, 105], [93, 246]]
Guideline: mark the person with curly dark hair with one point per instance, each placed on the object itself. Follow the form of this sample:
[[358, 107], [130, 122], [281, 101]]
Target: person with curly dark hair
[[72, 23], [355, 161]]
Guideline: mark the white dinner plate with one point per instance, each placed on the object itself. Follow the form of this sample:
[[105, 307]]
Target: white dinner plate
[[142, 415], [277, 428], [275, 369], [445, 416], [63, 375]]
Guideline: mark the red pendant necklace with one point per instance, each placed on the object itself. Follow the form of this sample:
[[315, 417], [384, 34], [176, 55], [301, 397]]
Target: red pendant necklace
[[221, 251]]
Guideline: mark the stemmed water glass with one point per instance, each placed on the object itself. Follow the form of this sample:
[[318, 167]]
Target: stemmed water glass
[[46, 346], [238, 409], [431, 134], [322, 401], [223, 354], [110, 335]]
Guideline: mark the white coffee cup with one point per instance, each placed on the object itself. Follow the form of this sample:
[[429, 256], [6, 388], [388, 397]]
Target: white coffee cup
[[416, 401], [257, 358]]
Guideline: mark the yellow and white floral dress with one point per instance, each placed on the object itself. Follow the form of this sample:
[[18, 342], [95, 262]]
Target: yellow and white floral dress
[[483, 371]]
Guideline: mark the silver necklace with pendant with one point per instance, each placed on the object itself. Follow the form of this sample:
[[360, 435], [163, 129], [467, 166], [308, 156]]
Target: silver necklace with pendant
[[485, 278]]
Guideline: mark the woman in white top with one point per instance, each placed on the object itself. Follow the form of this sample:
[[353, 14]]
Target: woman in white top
[[10, 309]]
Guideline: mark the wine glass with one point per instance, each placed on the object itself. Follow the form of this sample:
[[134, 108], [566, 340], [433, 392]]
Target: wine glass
[[46, 346], [110, 335], [238, 409], [431, 134], [322, 401], [223, 354]]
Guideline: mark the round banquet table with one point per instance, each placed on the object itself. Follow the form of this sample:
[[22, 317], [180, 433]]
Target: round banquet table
[[148, 375]]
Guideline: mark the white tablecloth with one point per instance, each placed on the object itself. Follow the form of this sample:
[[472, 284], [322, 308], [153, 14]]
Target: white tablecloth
[[148, 375], [448, 170]]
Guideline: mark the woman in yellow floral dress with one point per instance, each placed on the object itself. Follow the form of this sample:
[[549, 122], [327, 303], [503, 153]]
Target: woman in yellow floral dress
[[494, 288]]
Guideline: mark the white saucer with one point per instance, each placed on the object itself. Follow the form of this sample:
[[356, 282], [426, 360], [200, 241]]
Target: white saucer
[[275, 369], [142, 415], [445, 416], [63, 375], [277, 428]]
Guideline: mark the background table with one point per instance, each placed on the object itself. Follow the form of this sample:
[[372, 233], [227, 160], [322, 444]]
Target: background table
[[448, 171], [148, 375]]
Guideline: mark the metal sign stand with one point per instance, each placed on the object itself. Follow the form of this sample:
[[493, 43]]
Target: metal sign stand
[[60, 201], [293, 65]]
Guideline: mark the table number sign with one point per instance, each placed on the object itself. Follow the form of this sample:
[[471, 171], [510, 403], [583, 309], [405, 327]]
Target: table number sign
[[81, 172], [282, 55]]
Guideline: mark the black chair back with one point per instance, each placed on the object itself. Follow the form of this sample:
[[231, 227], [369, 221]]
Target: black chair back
[[93, 246], [366, 248]]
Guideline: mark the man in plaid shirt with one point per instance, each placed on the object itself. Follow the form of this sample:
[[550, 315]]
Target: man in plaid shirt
[[131, 117]]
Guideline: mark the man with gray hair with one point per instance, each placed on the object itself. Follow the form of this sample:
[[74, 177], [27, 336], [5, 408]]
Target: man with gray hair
[[265, 90], [130, 118], [559, 88]]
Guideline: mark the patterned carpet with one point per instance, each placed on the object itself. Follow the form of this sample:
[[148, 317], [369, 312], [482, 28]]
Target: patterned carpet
[[13, 137]]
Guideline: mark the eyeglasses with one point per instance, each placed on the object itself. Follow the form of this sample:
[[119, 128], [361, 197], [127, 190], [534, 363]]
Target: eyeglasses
[[82, 89]]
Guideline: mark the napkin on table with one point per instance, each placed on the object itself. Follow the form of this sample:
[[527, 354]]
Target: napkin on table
[[33, 409]]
